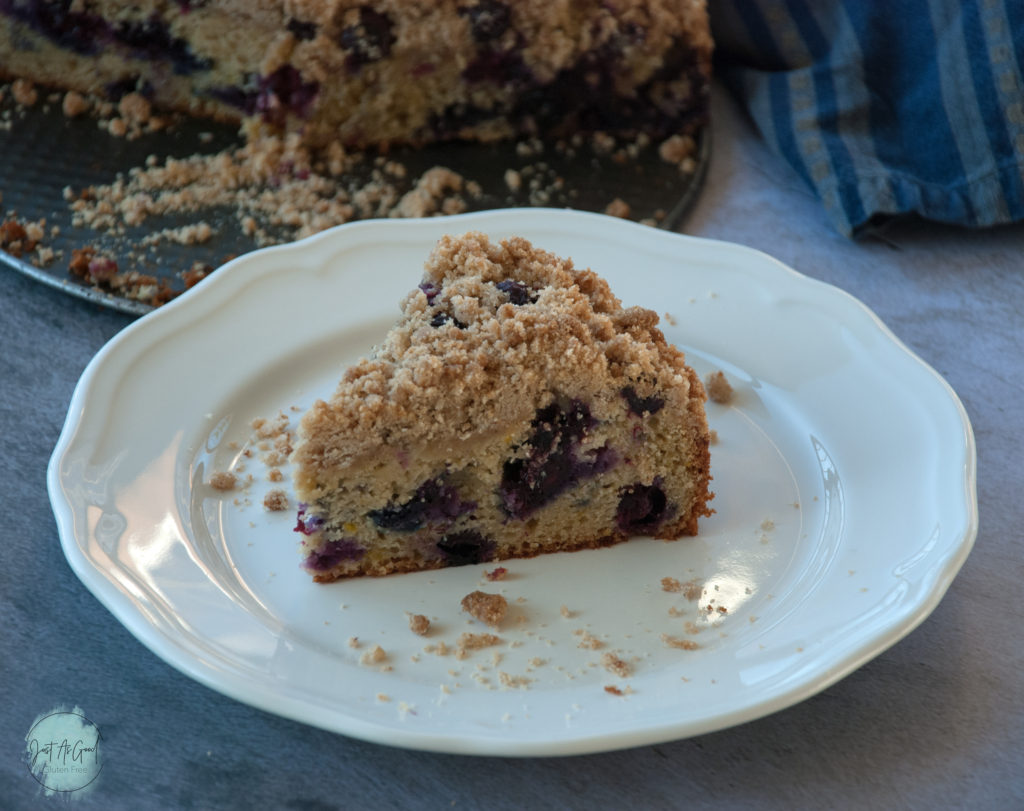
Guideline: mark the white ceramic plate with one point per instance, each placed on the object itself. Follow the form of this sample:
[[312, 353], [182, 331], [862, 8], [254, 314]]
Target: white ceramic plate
[[844, 472]]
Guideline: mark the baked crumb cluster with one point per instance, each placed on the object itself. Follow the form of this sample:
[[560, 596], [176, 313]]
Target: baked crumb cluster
[[516, 408]]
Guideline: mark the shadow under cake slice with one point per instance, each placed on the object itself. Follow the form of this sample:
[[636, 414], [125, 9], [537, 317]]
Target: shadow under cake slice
[[516, 408]]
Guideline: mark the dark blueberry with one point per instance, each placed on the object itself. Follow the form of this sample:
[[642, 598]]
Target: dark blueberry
[[152, 40], [488, 19], [302, 29], [466, 547], [80, 32], [518, 293], [500, 67], [433, 503], [282, 92], [308, 524], [441, 319], [369, 40], [244, 100], [430, 290], [642, 508], [553, 463], [640, 405], [333, 553]]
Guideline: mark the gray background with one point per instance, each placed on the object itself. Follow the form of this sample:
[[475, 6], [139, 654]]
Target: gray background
[[935, 722]]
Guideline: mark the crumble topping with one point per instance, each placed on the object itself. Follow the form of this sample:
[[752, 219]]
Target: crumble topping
[[276, 500], [223, 480], [419, 624], [676, 642], [616, 665], [468, 641], [488, 608], [588, 640], [374, 656], [718, 387]]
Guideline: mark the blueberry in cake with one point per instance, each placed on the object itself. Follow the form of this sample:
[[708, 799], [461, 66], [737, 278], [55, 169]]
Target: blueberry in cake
[[362, 72], [516, 408]]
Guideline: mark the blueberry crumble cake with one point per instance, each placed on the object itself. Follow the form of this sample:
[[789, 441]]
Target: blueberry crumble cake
[[364, 72], [516, 408]]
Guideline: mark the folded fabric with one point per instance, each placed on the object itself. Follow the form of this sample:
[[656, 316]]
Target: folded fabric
[[886, 108]]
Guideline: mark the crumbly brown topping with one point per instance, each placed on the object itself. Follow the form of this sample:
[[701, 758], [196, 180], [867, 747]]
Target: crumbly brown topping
[[718, 387], [614, 664], [373, 656], [676, 642], [276, 501], [468, 641], [452, 373], [488, 608], [223, 480], [419, 624]]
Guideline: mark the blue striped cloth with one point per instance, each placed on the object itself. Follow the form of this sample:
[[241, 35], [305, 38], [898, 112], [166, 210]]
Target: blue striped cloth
[[886, 107]]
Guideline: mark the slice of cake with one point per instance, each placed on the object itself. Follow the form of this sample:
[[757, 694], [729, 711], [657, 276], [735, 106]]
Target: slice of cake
[[516, 408], [362, 72]]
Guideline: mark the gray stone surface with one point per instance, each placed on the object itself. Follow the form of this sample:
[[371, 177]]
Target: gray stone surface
[[935, 722]]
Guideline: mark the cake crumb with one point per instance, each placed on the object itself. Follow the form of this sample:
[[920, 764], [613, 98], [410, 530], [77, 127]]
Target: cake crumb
[[223, 480], [615, 691], [74, 104], [566, 612], [618, 208], [719, 389], [692, 590], [374, 656], [680, 644], [513, 180], [616, 665], [353, 641], [24, 92], [588, 640], [670, 584], [383, 697], [496, 574], [468, 642], [670, 319], [677, 149], [714, 437], [509, 681], [276, 501], [419, 624], [488, 608]]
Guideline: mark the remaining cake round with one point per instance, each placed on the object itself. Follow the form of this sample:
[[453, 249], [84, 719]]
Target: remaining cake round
[[516, 408], [384, 71]]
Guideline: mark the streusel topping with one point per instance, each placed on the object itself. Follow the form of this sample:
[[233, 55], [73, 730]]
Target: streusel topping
[[487, 319]]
